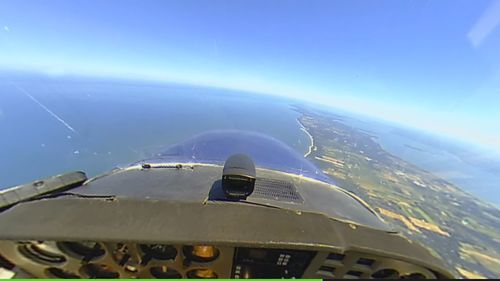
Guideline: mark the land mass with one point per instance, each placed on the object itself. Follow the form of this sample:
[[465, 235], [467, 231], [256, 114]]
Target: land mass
[[311, 139], [454, 225]]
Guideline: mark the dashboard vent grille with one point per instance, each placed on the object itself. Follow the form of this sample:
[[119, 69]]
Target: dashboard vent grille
[[276, 190], [354, 265]]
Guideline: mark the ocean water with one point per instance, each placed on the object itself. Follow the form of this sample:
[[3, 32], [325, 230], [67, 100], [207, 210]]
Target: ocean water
[[54, 125], [51, 126]]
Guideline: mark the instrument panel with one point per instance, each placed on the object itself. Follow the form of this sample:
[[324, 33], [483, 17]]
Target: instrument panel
[[270, 263], [69, 259], [49, 259]]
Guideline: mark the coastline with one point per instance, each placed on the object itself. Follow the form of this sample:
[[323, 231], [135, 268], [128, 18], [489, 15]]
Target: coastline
[[311, 146]]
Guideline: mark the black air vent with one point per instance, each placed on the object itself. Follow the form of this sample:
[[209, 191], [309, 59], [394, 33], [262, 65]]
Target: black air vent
[[276, 190]]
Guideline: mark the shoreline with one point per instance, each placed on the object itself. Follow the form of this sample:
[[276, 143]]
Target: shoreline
[[311, 146]]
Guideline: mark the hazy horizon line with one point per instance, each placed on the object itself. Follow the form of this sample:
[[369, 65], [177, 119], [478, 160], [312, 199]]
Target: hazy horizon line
[[161, 80]]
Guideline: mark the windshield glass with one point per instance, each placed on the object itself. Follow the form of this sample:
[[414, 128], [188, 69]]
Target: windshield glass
[[394, 101], [216, 147]]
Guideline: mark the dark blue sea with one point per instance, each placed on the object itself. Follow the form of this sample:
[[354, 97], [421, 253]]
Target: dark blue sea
[[54, 125]]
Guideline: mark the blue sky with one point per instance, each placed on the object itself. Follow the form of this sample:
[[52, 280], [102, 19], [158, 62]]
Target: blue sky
[[430, 64]]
